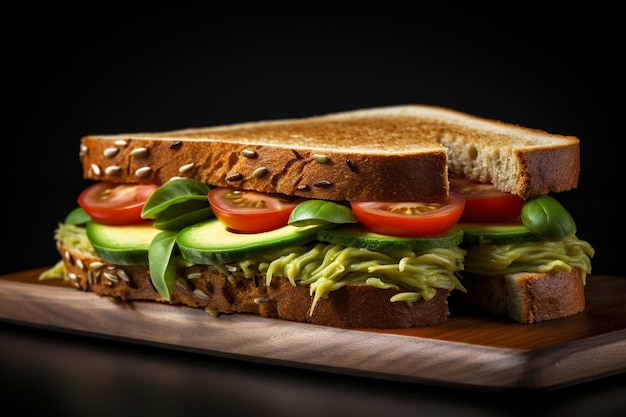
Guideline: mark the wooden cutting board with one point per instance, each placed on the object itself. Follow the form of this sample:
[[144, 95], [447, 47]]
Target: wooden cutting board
[[469, 350]]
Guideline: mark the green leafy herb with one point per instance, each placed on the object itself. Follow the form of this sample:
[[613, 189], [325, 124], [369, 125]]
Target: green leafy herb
[[547, 219], [174, 192], [320, 212], [77, 217], [162, 263]]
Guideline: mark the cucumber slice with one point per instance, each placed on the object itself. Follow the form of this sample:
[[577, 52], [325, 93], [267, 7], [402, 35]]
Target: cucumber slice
[[360, 237], [122, 245], [210, 242], [496, 233]]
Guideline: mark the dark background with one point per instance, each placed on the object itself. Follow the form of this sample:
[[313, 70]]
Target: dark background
[[68, 73]]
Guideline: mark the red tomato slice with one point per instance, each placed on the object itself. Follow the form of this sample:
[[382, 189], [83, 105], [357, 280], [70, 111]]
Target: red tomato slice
[[410, 219], [111, 203], [484, 203], [251, 211]]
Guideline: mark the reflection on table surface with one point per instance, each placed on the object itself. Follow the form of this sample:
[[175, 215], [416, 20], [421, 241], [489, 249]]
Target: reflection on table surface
[[65, 374]]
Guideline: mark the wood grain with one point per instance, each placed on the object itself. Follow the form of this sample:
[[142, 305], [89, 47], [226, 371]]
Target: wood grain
[[469, 350]]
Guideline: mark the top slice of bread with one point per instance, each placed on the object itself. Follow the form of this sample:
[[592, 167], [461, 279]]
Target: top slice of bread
[[379, 154]]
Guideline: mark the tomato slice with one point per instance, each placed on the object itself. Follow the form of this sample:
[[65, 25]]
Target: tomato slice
[[484, 203], [110, 203], [410, 219], [247, 211]]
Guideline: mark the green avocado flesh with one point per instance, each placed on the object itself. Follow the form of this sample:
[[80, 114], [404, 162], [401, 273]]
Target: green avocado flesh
[[210, 242], [122, 245], [500, 233]]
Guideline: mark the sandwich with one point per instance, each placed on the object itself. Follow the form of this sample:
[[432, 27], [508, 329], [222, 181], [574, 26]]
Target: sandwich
[[372, 218]]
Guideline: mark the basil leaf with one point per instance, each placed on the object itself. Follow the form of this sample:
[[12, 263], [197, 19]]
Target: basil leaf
[[162, 264], [547, 219], [320, 212], [77, 217], [174, 192], [183, 220]]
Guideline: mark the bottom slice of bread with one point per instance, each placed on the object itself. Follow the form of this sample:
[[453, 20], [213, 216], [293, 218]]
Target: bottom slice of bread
[[527, 297], [353, 306]]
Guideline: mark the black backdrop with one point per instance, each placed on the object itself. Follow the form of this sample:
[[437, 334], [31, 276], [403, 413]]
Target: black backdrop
[[68, 73]]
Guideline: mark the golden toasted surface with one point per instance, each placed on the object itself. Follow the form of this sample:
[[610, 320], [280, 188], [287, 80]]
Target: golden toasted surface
[[387, 153]]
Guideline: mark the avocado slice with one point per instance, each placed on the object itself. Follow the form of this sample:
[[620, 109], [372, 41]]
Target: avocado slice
[[360, 237], [124, 244], [496, 233], [211, 242]]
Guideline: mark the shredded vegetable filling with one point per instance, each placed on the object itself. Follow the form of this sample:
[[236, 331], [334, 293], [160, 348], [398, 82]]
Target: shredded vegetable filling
[[546, 256], [328, 267]]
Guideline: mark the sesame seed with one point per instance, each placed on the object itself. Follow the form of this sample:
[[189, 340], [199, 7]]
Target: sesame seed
[[72, 276], [176, 145], [262, 300], [303, 187], [143, 171], [351, 165], [121, 142], [110, 170], [84, 150], [111, 152], [95, 169], [186, 167], [139, 152]]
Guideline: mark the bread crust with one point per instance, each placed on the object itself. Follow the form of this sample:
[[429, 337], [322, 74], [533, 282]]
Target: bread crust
[[381, 154], [353, 306], [527, 297]]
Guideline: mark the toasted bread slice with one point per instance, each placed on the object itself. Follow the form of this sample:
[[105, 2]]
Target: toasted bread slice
[[381, 154], [527, 297], [352, 306]]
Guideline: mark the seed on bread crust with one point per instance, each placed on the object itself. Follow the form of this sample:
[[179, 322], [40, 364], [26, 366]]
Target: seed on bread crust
[[322, 159], [249, 153], [110, 170], [139, 152], [176, 145], [111, 152], [143, 172], [322, 184], [237, 176], [95, 169], [259, 172], [186, 167]]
